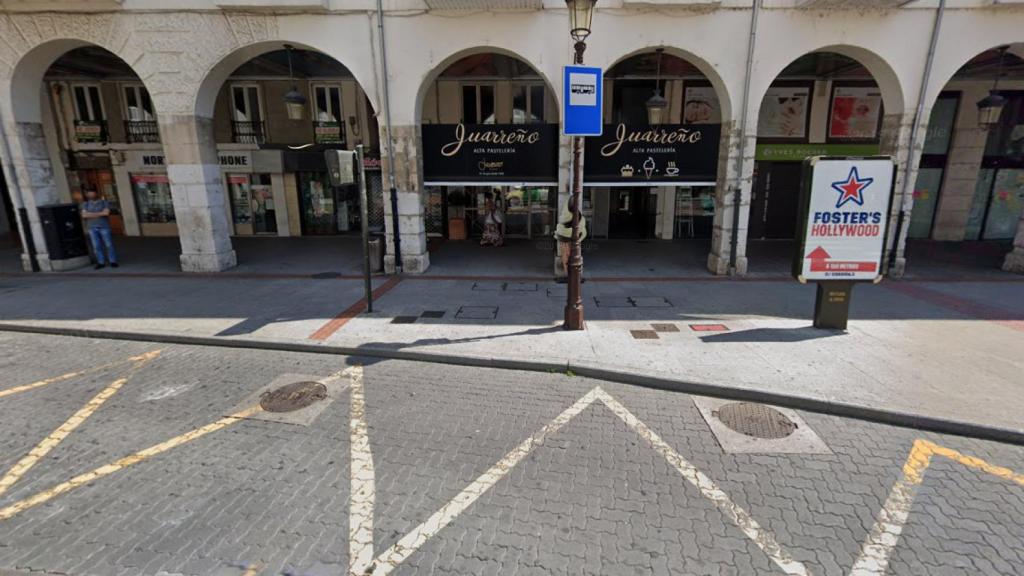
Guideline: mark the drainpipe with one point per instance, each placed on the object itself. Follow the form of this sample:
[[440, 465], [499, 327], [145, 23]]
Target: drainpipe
[[907, 193], [737, 195], [390, 140], [25, 228]]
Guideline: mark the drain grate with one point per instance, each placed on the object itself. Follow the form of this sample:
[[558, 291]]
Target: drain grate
[[292, 397], [709, 327], [433, 314], [755, 420], [404, 319], [665, 327], [644, 334]]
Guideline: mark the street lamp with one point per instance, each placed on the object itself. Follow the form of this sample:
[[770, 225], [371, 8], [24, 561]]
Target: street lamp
[[990, 108], [294, 101], [581, 13], [657, 105]]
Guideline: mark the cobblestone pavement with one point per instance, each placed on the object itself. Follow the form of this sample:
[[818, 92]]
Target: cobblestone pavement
[[457, 471]]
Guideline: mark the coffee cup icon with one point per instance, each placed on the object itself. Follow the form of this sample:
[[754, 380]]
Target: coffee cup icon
[[626, 171]]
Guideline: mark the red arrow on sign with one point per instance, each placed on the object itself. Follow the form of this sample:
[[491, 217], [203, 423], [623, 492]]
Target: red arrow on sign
[[820, 263], [819, 253]]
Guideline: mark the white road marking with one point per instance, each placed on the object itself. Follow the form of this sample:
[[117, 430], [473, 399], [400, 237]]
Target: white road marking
[[411, 542], [405, 547], [764, 539], [874, 556], [360, 516]]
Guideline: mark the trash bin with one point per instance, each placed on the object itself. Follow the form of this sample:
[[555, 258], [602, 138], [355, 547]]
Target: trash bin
[[376, 254]]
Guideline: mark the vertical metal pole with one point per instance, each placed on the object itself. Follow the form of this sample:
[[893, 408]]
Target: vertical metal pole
[[364, 220], [574, 296]]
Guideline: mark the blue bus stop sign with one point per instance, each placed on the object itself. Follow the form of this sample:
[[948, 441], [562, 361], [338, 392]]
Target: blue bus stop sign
[[582, 101]]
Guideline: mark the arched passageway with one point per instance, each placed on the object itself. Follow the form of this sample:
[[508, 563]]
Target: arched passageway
[[822, 103], [970, 182], [80, 112]]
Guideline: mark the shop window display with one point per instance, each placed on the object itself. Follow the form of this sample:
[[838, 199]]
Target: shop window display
[[153, 198]]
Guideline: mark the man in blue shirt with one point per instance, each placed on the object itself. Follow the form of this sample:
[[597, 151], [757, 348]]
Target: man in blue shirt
[[96, 213]]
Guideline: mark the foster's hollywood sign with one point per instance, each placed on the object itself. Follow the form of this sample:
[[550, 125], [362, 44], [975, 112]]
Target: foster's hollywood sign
[[845, 205]]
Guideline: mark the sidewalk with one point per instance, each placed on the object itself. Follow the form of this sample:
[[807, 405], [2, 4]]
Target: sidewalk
[[951, 350]]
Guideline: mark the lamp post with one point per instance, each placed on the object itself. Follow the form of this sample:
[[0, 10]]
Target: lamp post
[[581, 13], [294, 101], [657, 105]]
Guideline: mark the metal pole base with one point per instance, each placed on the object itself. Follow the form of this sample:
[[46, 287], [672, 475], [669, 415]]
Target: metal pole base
[[832, 306]]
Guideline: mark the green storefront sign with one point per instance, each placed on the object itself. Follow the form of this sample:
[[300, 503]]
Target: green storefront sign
[[797, 152]]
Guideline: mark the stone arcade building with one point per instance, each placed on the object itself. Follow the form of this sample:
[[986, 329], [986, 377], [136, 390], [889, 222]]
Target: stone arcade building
[[827, 77]]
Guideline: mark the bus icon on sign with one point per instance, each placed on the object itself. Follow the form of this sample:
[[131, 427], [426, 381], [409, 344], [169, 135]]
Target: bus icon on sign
[[583, 89]]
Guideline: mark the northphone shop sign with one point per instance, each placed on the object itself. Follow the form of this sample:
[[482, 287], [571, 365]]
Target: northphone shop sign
[[845, 204]]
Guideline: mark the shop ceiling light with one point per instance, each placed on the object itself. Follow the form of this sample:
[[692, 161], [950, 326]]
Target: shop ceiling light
[[294, 101], [990, 108], [657, 105]]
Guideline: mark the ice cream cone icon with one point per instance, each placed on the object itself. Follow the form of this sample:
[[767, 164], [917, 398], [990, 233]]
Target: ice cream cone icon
[[649, 167]]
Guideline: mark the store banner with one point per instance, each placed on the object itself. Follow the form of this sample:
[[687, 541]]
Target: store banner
[[844, 206], [490, 154], [663, 155]]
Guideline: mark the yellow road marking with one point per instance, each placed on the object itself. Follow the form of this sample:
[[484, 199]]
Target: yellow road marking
[[878, 547], [108, 469], [923, 450], [253, 569], [70, 375], [69, 426]]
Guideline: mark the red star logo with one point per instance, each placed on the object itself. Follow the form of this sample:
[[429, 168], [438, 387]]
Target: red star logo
[[851, 189]]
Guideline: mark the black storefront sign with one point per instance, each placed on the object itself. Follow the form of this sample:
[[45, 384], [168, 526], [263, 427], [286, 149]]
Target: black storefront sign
[[490, 153], [663, 155]]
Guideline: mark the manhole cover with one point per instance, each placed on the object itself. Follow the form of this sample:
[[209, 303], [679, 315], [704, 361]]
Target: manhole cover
[[755, 420], [294, 396], [644, 334]]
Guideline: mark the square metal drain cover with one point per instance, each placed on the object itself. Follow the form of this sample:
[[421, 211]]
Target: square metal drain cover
[[433, 314], [477, 313], [613, 302], [741, 427], [666, 327], [404, 319], [709, 327], [644, 334], [651, 302]]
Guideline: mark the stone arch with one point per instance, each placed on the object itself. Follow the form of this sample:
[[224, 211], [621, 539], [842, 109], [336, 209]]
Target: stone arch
[[881, 70], [434, 73], [709, 72], [27, 74], [225, 64]]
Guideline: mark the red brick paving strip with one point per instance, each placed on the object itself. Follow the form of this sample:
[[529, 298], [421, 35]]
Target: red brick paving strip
[[339, 321], [1001, 316]]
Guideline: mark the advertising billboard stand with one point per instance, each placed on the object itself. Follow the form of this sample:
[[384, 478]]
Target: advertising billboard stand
[[845, 204]]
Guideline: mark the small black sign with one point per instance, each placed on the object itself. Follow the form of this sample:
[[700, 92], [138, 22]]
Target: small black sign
[[663, 155], [481, 153]]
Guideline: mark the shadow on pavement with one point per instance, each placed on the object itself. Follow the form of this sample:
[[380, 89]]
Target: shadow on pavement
[[800, 334], [370, 360]]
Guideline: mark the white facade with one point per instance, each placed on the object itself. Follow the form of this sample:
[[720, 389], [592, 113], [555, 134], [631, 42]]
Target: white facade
[[184, 57]]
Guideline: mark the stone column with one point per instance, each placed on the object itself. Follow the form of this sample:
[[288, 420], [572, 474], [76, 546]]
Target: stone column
[[1015, 259], [31, 184], [411, 226], [895, 141], [962, 168], [198, 193], [732, 145]]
